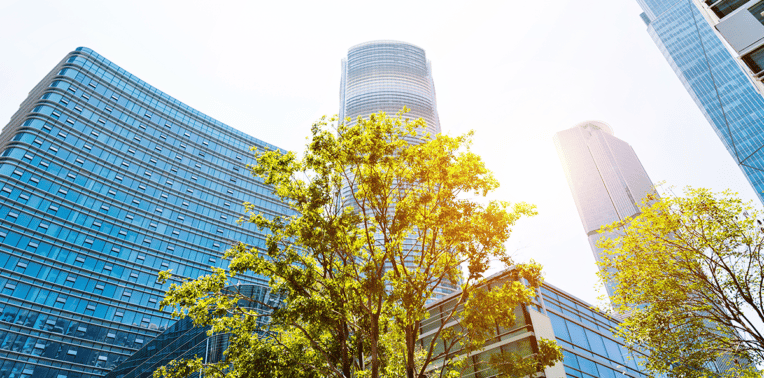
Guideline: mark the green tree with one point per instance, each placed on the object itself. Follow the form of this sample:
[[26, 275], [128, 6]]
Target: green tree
[[688, 275], [377, 224]]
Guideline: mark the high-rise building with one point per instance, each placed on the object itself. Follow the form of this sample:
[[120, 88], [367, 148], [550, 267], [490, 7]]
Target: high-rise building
[[584, 334], [105, 181], [386, 76], [605, 176], [716, 81], [741, 24]]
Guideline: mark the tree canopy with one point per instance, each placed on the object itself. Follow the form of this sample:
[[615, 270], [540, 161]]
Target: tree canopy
[[688, 276], [377, 227]]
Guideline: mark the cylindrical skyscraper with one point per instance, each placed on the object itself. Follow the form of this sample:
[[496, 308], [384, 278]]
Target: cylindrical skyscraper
[[386, 76], [606, 178]]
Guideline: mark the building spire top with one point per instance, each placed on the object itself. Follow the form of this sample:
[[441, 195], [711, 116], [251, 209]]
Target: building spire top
[[596, 125]]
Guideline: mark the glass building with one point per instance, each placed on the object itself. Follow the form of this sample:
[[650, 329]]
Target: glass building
[[105, 181], [184, 341], [386, 76], [605, 176], [589, 348], [741, 24], [715, 80]]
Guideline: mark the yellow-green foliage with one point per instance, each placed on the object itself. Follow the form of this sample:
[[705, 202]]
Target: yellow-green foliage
[[688, 275], [353, 291]]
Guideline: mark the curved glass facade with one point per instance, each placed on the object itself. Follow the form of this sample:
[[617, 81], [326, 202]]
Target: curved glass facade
[[105, 181]]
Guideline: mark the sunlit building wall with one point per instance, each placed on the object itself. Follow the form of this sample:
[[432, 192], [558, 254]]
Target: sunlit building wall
[[605, 176], [105, 181]]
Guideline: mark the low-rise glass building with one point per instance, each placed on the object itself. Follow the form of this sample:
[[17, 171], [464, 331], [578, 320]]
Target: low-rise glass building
[[590, 350]]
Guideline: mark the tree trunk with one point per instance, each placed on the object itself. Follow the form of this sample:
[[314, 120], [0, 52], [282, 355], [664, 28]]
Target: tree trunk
[[359, 341], [344, 339], [410, 346], [374, 339]]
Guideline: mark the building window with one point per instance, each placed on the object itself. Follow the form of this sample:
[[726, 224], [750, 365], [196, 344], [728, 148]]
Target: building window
[[724, 7], [755, 60]]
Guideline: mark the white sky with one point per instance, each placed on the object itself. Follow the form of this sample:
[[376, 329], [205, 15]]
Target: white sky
[[515, 72]]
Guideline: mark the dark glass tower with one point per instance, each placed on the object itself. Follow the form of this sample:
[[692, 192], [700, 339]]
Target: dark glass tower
[[104, 181]]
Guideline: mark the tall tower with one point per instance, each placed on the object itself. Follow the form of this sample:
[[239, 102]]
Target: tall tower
[[605, 176], [386, 76], [715, 80], [105, 181]]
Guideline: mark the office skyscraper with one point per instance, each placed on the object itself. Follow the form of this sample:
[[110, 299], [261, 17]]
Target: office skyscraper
[[605, 176], [741, 23], [715, 80], [104, 181], [386, 76]]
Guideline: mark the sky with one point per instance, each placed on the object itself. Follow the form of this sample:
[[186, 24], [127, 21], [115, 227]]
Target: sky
[[514, 72]]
